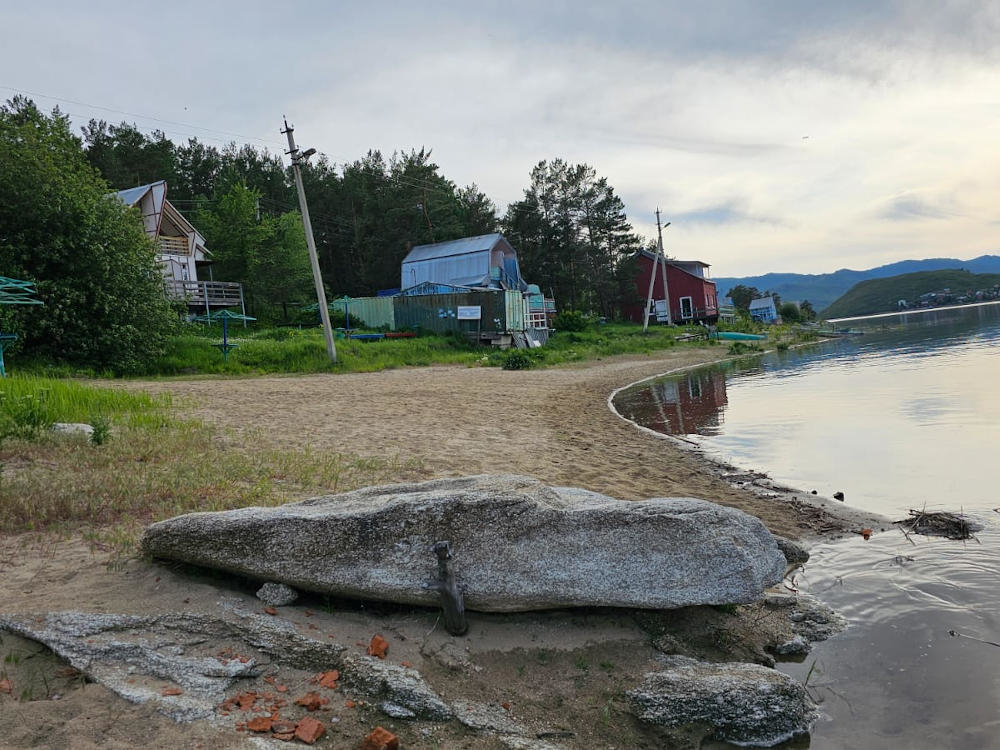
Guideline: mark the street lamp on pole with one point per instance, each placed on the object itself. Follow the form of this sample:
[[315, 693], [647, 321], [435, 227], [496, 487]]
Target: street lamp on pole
[[297, 159]]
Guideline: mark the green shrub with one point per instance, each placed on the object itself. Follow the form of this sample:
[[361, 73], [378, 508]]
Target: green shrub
[[101, 426], [517, 359], [571, 320]]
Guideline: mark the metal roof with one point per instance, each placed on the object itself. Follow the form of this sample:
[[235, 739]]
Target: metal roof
[[464, 246], [762, 303], [133, 195]]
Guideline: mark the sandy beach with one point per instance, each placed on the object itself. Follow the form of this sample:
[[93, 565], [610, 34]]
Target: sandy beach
[[552, 424]]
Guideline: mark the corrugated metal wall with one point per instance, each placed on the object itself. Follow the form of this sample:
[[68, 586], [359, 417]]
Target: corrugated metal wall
[[376, 312], [502, 311]]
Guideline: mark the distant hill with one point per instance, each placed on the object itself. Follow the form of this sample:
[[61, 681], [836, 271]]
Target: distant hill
[[822, 289], [883, 295]]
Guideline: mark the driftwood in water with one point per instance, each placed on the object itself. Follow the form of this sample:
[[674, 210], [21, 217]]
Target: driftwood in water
[[938, 523]]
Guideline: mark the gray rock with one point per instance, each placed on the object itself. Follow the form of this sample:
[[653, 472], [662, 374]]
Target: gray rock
[[813, 620], [796, 646], [277, 594], [795, 554], [393, 686], [136, 656], [745, 704], [72, 428], [518, 545], [491, 719]]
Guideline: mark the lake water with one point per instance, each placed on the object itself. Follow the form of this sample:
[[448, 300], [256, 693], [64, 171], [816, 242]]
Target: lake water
[[905, 416]]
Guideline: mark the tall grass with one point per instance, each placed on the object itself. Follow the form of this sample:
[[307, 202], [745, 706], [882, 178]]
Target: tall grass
[[57, 400]]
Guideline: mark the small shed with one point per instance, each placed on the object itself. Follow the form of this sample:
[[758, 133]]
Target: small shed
[[486, 262], [763, 310]]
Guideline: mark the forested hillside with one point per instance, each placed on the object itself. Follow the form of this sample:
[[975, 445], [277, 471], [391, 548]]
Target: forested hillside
[[883, 295], [823, 288]]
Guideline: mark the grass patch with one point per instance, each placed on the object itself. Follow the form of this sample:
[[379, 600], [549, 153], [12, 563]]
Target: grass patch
[[25, 399], [142, 465]]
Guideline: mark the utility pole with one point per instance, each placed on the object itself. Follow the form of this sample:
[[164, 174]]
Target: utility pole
[[659, 258], [324, 312]]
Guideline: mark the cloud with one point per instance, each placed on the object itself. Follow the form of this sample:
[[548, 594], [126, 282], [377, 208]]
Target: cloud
[[913, 207], [698, 110]]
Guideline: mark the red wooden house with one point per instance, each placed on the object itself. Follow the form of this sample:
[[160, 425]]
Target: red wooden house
[[691, 293]]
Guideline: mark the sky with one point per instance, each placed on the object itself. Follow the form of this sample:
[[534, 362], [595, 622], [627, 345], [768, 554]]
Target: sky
[[773, 135]]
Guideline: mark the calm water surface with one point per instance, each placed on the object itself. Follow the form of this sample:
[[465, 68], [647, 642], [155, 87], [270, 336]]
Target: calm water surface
[[900, 418]]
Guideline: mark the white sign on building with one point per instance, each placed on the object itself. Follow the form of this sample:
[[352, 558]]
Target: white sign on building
[[470, 312]]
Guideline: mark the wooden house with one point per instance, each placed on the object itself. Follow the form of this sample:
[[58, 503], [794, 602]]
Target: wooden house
[[763, 310], [180, 251], [691, 294]]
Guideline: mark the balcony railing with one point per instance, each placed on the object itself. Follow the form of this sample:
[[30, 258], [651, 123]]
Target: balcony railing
[[173, 245], [206, 294]]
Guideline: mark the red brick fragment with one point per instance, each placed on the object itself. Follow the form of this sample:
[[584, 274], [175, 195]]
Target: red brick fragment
[[281, 688], [312, 701], [379, 647], [246, 700], [350, 704], [259, 724], [271, 610], [380, 739], [406, 664], [6, 686], [506, 706], [308, 730], [283, 727], [329, 679], [269, 679], [171, 691], [284, 736]]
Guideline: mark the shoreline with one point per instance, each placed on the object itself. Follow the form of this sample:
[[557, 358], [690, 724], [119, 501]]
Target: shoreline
[[757, 482]]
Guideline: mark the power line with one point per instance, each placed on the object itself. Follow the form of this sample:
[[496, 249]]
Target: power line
[[144, 117]]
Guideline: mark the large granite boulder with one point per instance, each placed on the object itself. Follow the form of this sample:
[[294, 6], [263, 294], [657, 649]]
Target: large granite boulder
[[518, 545], [745, 704]]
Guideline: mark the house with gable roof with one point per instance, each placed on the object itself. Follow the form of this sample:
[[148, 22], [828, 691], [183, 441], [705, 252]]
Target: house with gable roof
[[180, 251]]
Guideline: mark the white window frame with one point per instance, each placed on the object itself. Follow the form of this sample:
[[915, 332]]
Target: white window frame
[[690, 315]]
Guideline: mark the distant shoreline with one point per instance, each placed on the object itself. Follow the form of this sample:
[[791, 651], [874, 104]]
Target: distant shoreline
[[919, 311]]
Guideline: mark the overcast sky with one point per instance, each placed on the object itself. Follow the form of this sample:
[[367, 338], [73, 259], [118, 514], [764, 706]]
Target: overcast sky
[[774, 135]]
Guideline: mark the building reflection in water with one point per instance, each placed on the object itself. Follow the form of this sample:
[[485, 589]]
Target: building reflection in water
[[691, 405]]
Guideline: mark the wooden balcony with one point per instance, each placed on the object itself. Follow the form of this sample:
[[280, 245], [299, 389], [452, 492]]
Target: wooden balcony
[[206, 294], [173, 246]]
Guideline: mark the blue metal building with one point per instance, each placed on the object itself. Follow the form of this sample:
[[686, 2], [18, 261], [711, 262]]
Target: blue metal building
[[484, 262]]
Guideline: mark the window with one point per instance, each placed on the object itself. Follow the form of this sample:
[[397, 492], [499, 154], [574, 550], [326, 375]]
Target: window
[[687, 308]]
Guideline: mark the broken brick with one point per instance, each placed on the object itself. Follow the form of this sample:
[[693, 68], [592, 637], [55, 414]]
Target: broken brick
[[380, 739], [271, 610], [379, 646], [350, 704], [283, 727], [406, 664], [259, 724], [284, 736], [281, 688], [329, 679], [309, 730], [171, 691], [312, 701], [6, 686], [505, 705]]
